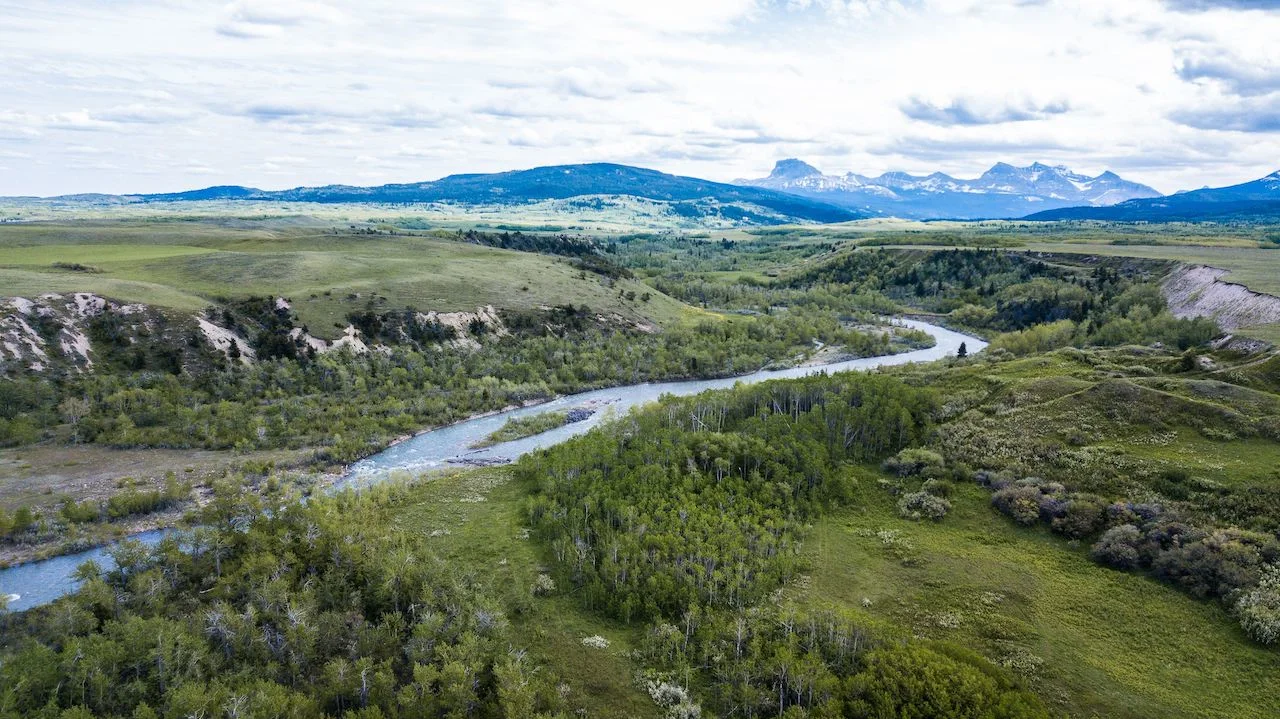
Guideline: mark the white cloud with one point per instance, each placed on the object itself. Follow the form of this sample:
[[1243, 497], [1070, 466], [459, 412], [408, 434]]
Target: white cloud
[[253, 19], [276, 93]]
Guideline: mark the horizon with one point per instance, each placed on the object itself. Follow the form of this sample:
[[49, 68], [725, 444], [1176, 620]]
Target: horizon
[[151, 95], [962, 176]]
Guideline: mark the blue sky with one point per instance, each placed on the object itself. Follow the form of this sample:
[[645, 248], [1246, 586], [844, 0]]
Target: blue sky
[[138, 96]]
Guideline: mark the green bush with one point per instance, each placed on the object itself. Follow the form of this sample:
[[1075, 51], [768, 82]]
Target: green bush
[[131, 502], [82, 512], [1118, 547], [1259, 608], [922, 505], [913, 461]]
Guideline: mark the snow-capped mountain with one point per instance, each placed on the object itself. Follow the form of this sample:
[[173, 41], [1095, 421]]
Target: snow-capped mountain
[[1258, 200], [1002, 191]]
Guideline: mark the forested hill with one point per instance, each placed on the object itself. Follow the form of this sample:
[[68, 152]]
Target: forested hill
[[540, 183]]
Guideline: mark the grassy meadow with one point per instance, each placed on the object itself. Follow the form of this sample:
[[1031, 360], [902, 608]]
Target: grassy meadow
[[1093, 641], [326, 273]]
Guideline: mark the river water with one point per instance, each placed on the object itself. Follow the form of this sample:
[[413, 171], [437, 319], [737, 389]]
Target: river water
[[41, 582]]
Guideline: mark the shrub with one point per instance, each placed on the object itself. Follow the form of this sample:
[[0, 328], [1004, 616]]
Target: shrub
[[133, 502], [1259, 608], [913, 461], [1021, 502], [922, 505], [1082, 517], [79, 513], [1118, 547], [543, 585], [1218, 564], [937, 487]]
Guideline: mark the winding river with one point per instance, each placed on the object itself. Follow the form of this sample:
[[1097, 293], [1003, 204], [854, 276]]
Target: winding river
[[37, 583]]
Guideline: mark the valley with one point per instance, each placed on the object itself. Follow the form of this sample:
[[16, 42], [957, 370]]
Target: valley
[[995, 513]]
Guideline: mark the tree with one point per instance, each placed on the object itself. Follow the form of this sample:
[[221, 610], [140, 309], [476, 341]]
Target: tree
[[963, 351]]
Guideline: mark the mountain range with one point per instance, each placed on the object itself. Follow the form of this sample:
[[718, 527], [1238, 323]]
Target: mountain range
[[1258, 200], [796, 192], [687, 196], [1004, 191]]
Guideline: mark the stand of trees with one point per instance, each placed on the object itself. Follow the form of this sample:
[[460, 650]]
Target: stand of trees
[[312, 611], [689, 515]]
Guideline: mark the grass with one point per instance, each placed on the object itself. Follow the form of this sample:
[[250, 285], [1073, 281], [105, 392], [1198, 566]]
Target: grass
[[474, 520], [1093, 641], [521, 427], [42, 474], [325, 273]]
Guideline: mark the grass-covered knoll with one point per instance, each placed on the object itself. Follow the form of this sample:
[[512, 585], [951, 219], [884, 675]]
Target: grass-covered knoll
[[617, 509], [1131, 422], [326, 273], [1091, 640]]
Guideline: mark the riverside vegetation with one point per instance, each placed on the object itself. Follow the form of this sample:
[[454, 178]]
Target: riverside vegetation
[[827, 546]]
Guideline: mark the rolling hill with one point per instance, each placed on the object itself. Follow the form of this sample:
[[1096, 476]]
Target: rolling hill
[[687, 196]]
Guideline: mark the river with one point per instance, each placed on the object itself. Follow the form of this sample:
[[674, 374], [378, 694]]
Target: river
[[37, 583]]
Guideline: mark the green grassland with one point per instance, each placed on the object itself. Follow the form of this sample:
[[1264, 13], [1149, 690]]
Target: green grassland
[[325, 273], [1099, 421], [1095, 642]]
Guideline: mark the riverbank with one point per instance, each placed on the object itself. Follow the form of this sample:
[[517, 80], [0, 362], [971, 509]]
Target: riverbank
[[450, 445]]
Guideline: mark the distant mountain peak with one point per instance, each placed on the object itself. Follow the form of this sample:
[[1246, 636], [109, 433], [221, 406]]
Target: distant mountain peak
[[1004, 190], [793, 169]]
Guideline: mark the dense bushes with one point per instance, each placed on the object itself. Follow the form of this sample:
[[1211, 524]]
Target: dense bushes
[[1259, 608], [923, 505], [143, 501]]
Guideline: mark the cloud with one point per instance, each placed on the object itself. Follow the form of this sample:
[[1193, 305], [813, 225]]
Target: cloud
[[319, 117], [1205, 5], [935, 149], [1251, 114], [138, 113], [1245, 77], [78, 120], [598, 85], [716, 88], [255, 19], [968, 111]]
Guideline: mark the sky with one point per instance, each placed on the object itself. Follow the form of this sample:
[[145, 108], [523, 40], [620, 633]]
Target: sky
[[163, 95]]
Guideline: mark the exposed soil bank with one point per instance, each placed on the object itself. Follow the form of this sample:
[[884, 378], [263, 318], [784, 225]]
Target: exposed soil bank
[[1199, 291]]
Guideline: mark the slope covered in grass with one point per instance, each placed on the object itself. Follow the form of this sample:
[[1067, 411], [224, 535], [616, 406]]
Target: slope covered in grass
[[1092, 641], [325, 273]]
